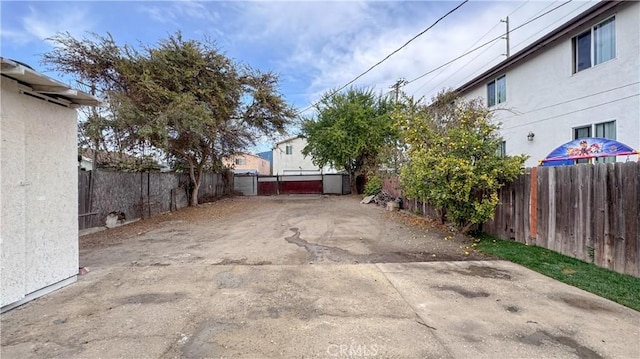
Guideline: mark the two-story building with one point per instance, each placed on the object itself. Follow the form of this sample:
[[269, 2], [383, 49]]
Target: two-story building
[[580, 80], [245, 162], [289, 160]]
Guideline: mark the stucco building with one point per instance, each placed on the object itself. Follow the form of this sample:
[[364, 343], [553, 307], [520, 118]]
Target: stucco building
[[39, 183], [245, 162], [289, 160], [580, 80]]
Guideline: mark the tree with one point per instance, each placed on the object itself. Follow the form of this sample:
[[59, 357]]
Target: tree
[[349, 131], [183, 97], [454, 161]]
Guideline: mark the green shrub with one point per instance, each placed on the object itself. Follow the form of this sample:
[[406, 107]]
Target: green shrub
[[373, 186]]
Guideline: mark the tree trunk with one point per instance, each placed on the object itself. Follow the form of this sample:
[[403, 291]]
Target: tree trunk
[[194, 194], [196, 180], [353, 179]]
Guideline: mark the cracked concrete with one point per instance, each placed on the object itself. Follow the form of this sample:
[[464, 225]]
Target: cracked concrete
[[227, 288]]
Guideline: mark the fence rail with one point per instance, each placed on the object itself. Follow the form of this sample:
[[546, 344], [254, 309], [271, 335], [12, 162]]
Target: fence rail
[[589, 211]]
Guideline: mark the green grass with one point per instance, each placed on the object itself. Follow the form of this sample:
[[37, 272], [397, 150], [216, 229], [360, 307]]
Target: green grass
[[620, 288]]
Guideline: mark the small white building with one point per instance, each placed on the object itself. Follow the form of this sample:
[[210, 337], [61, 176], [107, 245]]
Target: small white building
[[289, 160], [580, 80], [38, 183]]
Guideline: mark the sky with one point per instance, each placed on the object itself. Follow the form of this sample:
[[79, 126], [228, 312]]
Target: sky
[[313, 46]]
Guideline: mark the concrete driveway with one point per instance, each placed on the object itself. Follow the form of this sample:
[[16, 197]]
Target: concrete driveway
[[308, 277]]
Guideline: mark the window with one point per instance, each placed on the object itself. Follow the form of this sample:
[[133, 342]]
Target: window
[[502, 150], [582, 132], [240, 161], [497, 91], [595, 46], [606, 130], [289, 150]]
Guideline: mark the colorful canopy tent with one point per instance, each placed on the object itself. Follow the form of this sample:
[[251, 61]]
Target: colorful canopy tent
[[585, 148]]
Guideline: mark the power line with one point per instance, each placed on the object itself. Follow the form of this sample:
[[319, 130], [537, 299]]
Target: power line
[[571, 100], [480, 68], [555, 22], [391, 54], [487, 43], [572, 112], [470, 47]]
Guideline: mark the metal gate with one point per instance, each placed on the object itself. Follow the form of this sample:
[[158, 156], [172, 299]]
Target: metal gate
[[300, 184], [251, 185], [245, 184]]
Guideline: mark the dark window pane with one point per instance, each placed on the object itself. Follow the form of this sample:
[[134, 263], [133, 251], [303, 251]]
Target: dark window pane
[[583, 51], [491, 93], [501, 85], [582, 132]]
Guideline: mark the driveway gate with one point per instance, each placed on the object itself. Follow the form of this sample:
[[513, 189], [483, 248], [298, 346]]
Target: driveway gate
[[292, 184]]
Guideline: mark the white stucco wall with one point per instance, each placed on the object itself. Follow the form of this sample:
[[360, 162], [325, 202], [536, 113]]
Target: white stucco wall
[[38, 192], [541, 88], [295, 163]]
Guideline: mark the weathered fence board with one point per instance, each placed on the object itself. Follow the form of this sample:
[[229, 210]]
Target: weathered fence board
[[590, 212]]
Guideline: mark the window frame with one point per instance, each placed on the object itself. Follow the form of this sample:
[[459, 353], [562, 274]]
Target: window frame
[[288, 149], [576, 128], [592, 45], [239, 161], [496, 91], [592, 133], [502, 150], [615, 137]]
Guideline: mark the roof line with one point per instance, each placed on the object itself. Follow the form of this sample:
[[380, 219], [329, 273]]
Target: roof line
[[579, 20], [45, 85], [288, 139]]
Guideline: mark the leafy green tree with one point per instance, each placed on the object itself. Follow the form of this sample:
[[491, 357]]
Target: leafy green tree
[[454, 161], [183, 97], [349, 130]]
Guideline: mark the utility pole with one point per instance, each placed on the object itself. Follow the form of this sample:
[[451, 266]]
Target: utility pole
[[506, 37], [396, 87]]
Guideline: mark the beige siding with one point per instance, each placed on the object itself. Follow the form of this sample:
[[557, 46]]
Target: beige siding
[[251, 162]]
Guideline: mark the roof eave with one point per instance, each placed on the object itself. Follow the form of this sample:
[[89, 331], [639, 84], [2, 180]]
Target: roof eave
[[44, 85], [571, 25]]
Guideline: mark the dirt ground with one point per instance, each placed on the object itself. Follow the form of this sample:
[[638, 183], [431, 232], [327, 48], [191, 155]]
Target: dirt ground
[[277, 230], [308, 277]]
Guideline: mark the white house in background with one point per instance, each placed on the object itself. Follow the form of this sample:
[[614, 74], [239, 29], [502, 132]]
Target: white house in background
[[39, 183], [580, 80], [289, 160]]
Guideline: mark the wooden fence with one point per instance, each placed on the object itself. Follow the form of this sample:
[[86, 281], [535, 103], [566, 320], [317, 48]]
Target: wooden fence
[[588, 211]]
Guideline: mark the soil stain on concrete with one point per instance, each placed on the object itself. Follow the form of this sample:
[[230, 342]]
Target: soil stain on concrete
[[464, 292], [484, 272], [202, 343], [581, 303], [512, 309], [319, 253], [539, 337], [152, 298]]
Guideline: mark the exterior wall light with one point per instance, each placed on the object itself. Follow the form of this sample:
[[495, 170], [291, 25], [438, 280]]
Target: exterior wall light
[[530, 136]]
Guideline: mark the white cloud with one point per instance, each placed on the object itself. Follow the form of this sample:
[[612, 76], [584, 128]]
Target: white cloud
[[40, 24], [178, 12], [329, 43]]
